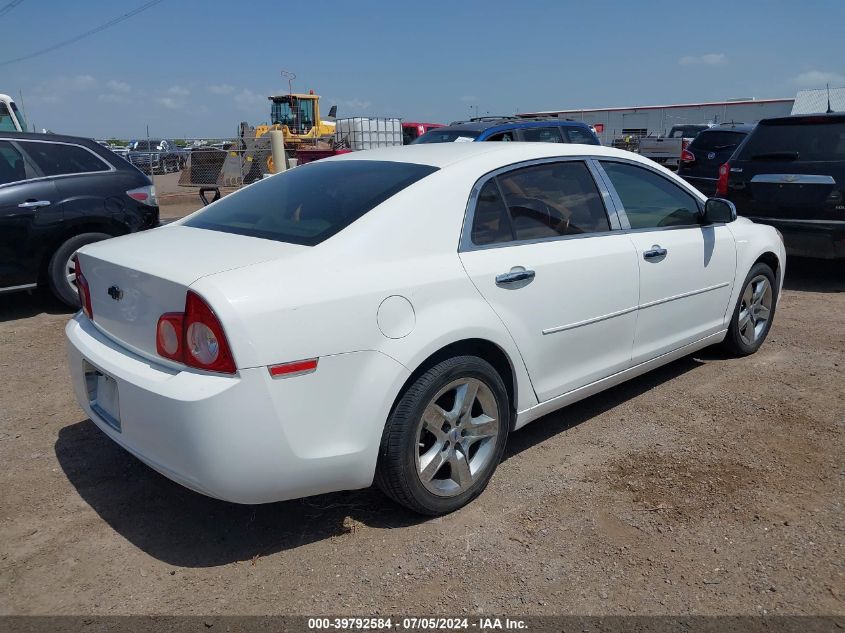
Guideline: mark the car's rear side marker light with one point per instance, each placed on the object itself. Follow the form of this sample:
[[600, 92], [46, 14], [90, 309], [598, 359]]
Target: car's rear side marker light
[[296, 368]]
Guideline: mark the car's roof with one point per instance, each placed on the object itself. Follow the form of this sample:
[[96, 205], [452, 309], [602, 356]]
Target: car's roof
[[509, 124], [59, 138], [729, 127], [831, 117], [444, 154]]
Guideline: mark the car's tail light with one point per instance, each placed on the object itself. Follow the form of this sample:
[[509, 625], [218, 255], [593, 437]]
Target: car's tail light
[[83, 289], [687, 156], [170, 336], [144, 195], [195, 337], [296, 368], [722, 181]]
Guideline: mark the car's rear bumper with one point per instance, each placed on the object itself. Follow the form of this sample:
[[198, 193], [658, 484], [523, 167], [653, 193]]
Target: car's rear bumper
[[247, 438], [809, 238]]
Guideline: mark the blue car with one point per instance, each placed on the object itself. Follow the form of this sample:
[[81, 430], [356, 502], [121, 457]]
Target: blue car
[[512, 129]]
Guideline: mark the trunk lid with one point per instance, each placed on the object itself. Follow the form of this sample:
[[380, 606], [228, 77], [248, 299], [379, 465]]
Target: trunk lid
[[135, 279]]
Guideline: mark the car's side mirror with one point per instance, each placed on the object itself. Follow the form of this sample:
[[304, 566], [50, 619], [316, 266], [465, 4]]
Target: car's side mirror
[[717, 210]]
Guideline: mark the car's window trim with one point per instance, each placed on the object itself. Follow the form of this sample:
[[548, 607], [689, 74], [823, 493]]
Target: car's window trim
[[17, 141], [465, 243], [620, 208]]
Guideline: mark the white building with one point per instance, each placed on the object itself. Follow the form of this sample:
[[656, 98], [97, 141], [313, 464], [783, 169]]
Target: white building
[[612, 123]]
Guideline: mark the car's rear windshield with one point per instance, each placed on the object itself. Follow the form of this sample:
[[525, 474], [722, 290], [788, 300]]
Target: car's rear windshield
[[686, 131], [447, 136], [805, 141], [146, 146], [309, 204], [717, 141]]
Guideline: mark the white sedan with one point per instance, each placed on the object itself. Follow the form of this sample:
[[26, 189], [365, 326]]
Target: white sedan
[[393, 315]]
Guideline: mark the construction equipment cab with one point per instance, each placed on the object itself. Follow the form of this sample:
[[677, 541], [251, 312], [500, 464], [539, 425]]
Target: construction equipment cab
[[298, 115], [11, 119]]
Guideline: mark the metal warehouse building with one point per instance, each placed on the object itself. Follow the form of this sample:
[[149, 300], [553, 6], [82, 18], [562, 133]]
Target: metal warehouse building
[[612, 123]]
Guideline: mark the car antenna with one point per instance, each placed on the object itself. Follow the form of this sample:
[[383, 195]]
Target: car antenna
[[829, 109]]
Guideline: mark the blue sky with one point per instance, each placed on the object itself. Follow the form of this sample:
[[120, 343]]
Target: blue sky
[[197, 67]]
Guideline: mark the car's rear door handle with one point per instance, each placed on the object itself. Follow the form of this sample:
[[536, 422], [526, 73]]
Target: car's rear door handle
[[32, 204], [655, 252], [515, 276]]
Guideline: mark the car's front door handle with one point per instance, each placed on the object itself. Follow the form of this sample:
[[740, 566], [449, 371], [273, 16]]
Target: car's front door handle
[[655, 252], [32, 204], [515, 276]]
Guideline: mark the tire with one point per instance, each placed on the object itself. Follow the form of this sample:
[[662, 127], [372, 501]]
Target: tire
[[60, 284], [452, 442], [749, 328]]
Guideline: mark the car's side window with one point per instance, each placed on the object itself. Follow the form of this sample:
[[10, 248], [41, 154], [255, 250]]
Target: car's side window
[[56, 159], [577, 135], [649, 199], [491, 224], [541, 135], [502, 136], [12, 167], [541, 201]]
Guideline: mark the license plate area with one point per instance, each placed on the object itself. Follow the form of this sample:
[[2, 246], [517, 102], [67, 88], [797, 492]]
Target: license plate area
[[102, 395]]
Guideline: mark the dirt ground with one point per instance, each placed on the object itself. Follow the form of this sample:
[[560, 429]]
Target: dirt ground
[[711, 486]]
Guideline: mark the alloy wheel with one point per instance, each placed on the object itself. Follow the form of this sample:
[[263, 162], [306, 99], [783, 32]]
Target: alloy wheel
[[456, 437], [755, 309]]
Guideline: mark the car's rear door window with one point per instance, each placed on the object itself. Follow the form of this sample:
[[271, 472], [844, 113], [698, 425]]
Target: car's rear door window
[[548, 200], [57, 159], [578, 135], [541, 135], [649, 199], [311, 203]]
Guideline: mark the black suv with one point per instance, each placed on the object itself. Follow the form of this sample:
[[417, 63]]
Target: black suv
[[700, 160], [790, 173], [58, 193]]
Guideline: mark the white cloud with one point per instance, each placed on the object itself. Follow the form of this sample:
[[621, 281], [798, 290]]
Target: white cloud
[[178, 91], [57, 89], [248, 101], [356, 104], [818, 79], [170, 102], [221, 89], [708, 59], [468, 98], [113, 98], [118, 86]]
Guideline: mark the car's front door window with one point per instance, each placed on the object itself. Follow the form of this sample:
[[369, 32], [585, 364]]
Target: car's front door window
[[649, 199]]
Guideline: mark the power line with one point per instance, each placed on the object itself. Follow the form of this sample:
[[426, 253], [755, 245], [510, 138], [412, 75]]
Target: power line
[[8, 7], [72, 40]]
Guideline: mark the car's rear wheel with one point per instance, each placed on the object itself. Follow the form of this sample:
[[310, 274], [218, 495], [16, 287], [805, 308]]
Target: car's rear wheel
[[61, 273], [445, 437], [754, 311]]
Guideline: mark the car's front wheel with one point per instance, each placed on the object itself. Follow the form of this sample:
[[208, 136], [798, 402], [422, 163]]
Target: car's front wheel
[[445, 436], [61, 271], [754, 311]]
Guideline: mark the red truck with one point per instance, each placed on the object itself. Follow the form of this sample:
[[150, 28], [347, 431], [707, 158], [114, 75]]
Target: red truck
[[411, 130]]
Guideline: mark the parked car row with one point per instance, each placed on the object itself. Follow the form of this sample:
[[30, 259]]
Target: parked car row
[[157, 156]]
